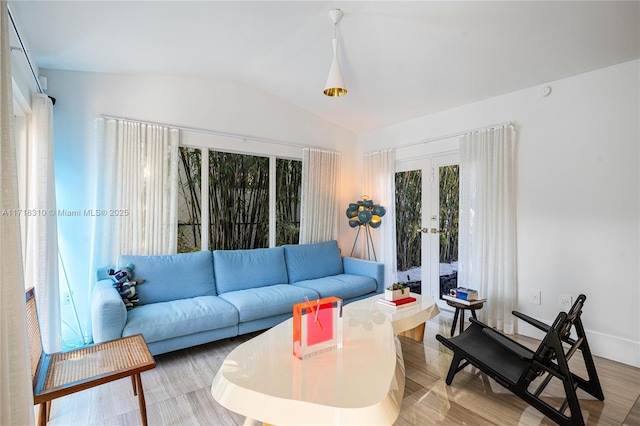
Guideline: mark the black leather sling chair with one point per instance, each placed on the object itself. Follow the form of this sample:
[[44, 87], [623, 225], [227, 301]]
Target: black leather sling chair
[[516, 367]]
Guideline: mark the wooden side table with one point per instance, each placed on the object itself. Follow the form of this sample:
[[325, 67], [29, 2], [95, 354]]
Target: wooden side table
[[472, 306]]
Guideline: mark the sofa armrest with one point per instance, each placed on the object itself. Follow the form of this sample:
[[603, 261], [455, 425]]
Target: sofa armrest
[[365, 268], [103, 273], [108, 313]]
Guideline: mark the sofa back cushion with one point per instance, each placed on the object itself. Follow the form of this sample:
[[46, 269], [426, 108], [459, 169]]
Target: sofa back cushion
[[311, 261], [243, 269], [172, 277]]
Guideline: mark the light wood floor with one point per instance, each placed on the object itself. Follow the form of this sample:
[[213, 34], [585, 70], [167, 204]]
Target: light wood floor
[[177, 392]]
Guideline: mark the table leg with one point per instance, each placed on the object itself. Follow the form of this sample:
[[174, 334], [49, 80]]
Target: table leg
[[141, 402], [461, 320], [134, 386], [455, 320], [416, 333], [42, 413]]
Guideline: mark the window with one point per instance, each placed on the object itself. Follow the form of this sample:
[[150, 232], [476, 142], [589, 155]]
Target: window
[[239, 195], [189, 192], [238, 201], [288, 185]]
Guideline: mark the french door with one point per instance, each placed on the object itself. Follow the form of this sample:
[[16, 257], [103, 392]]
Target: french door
[[427, 199]]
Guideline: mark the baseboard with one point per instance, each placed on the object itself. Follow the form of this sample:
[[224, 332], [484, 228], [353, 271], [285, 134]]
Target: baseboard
[[602, 345], [614, 348]]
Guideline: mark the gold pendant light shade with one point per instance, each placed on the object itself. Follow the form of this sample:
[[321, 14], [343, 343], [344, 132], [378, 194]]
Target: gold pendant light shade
[[335, 82], [335, 91]]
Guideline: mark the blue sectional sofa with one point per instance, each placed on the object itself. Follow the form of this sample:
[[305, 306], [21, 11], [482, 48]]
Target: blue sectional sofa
[[194, 298]]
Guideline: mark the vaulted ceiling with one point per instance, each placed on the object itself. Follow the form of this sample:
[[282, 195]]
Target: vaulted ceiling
[[400, 60]]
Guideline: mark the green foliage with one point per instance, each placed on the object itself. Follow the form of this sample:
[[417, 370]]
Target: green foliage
[[449, 212], [238, 201], [288, 187], [397, 286], [189, 190], [408, 218]]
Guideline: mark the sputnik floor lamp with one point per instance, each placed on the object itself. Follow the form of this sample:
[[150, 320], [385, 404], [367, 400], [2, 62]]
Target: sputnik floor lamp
[[365, 215]]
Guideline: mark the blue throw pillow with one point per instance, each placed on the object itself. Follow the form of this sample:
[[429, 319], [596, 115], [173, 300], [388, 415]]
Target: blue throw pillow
[[311, 261]]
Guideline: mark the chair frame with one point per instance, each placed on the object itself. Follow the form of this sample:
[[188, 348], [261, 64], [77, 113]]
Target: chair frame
[[63, 373], [550, 359]]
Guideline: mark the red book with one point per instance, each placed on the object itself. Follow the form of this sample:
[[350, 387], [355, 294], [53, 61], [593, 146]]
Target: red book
[[398, 302]]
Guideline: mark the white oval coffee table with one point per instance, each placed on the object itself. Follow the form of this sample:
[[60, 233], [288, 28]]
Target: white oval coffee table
[[361, 384]]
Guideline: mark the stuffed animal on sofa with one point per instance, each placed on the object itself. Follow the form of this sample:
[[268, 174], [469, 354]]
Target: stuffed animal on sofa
[[126, 286]]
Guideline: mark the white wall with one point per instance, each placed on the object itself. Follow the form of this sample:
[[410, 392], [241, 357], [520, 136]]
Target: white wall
[[188, 102], [579, 189], [578, 195]]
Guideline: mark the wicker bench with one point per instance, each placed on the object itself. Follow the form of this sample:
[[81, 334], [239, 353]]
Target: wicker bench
[[63, 373]]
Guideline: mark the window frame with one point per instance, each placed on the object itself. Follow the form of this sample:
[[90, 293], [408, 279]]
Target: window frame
[[22, 124], [235, 145]]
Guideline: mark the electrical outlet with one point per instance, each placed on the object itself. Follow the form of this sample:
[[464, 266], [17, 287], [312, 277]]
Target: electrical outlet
[[534, 296], [565, 301], [66, 298]]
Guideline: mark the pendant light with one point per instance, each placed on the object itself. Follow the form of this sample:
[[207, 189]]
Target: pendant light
[[335, 82]]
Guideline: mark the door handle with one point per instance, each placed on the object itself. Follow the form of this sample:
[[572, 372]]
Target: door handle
[[433, 230]]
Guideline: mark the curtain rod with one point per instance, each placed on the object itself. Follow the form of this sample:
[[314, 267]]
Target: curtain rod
[[213, 132], [23, 49], [452, 135]]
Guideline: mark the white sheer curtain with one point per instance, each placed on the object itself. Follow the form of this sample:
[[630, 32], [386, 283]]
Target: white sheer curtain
[[487, 247], [147, 185], [137, 184], [379, 185], [318, 211], [41, 260], [16, 395]]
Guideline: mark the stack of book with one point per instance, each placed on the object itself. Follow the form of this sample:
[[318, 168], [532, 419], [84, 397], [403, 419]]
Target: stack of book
[[464, 293], [465, 296], [400, 303]]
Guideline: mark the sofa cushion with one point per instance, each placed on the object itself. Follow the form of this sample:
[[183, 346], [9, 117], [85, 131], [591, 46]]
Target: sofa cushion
[[311, 261], [161, 321], [344, 286], [244, 269], [172, 277], [267, 301]]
